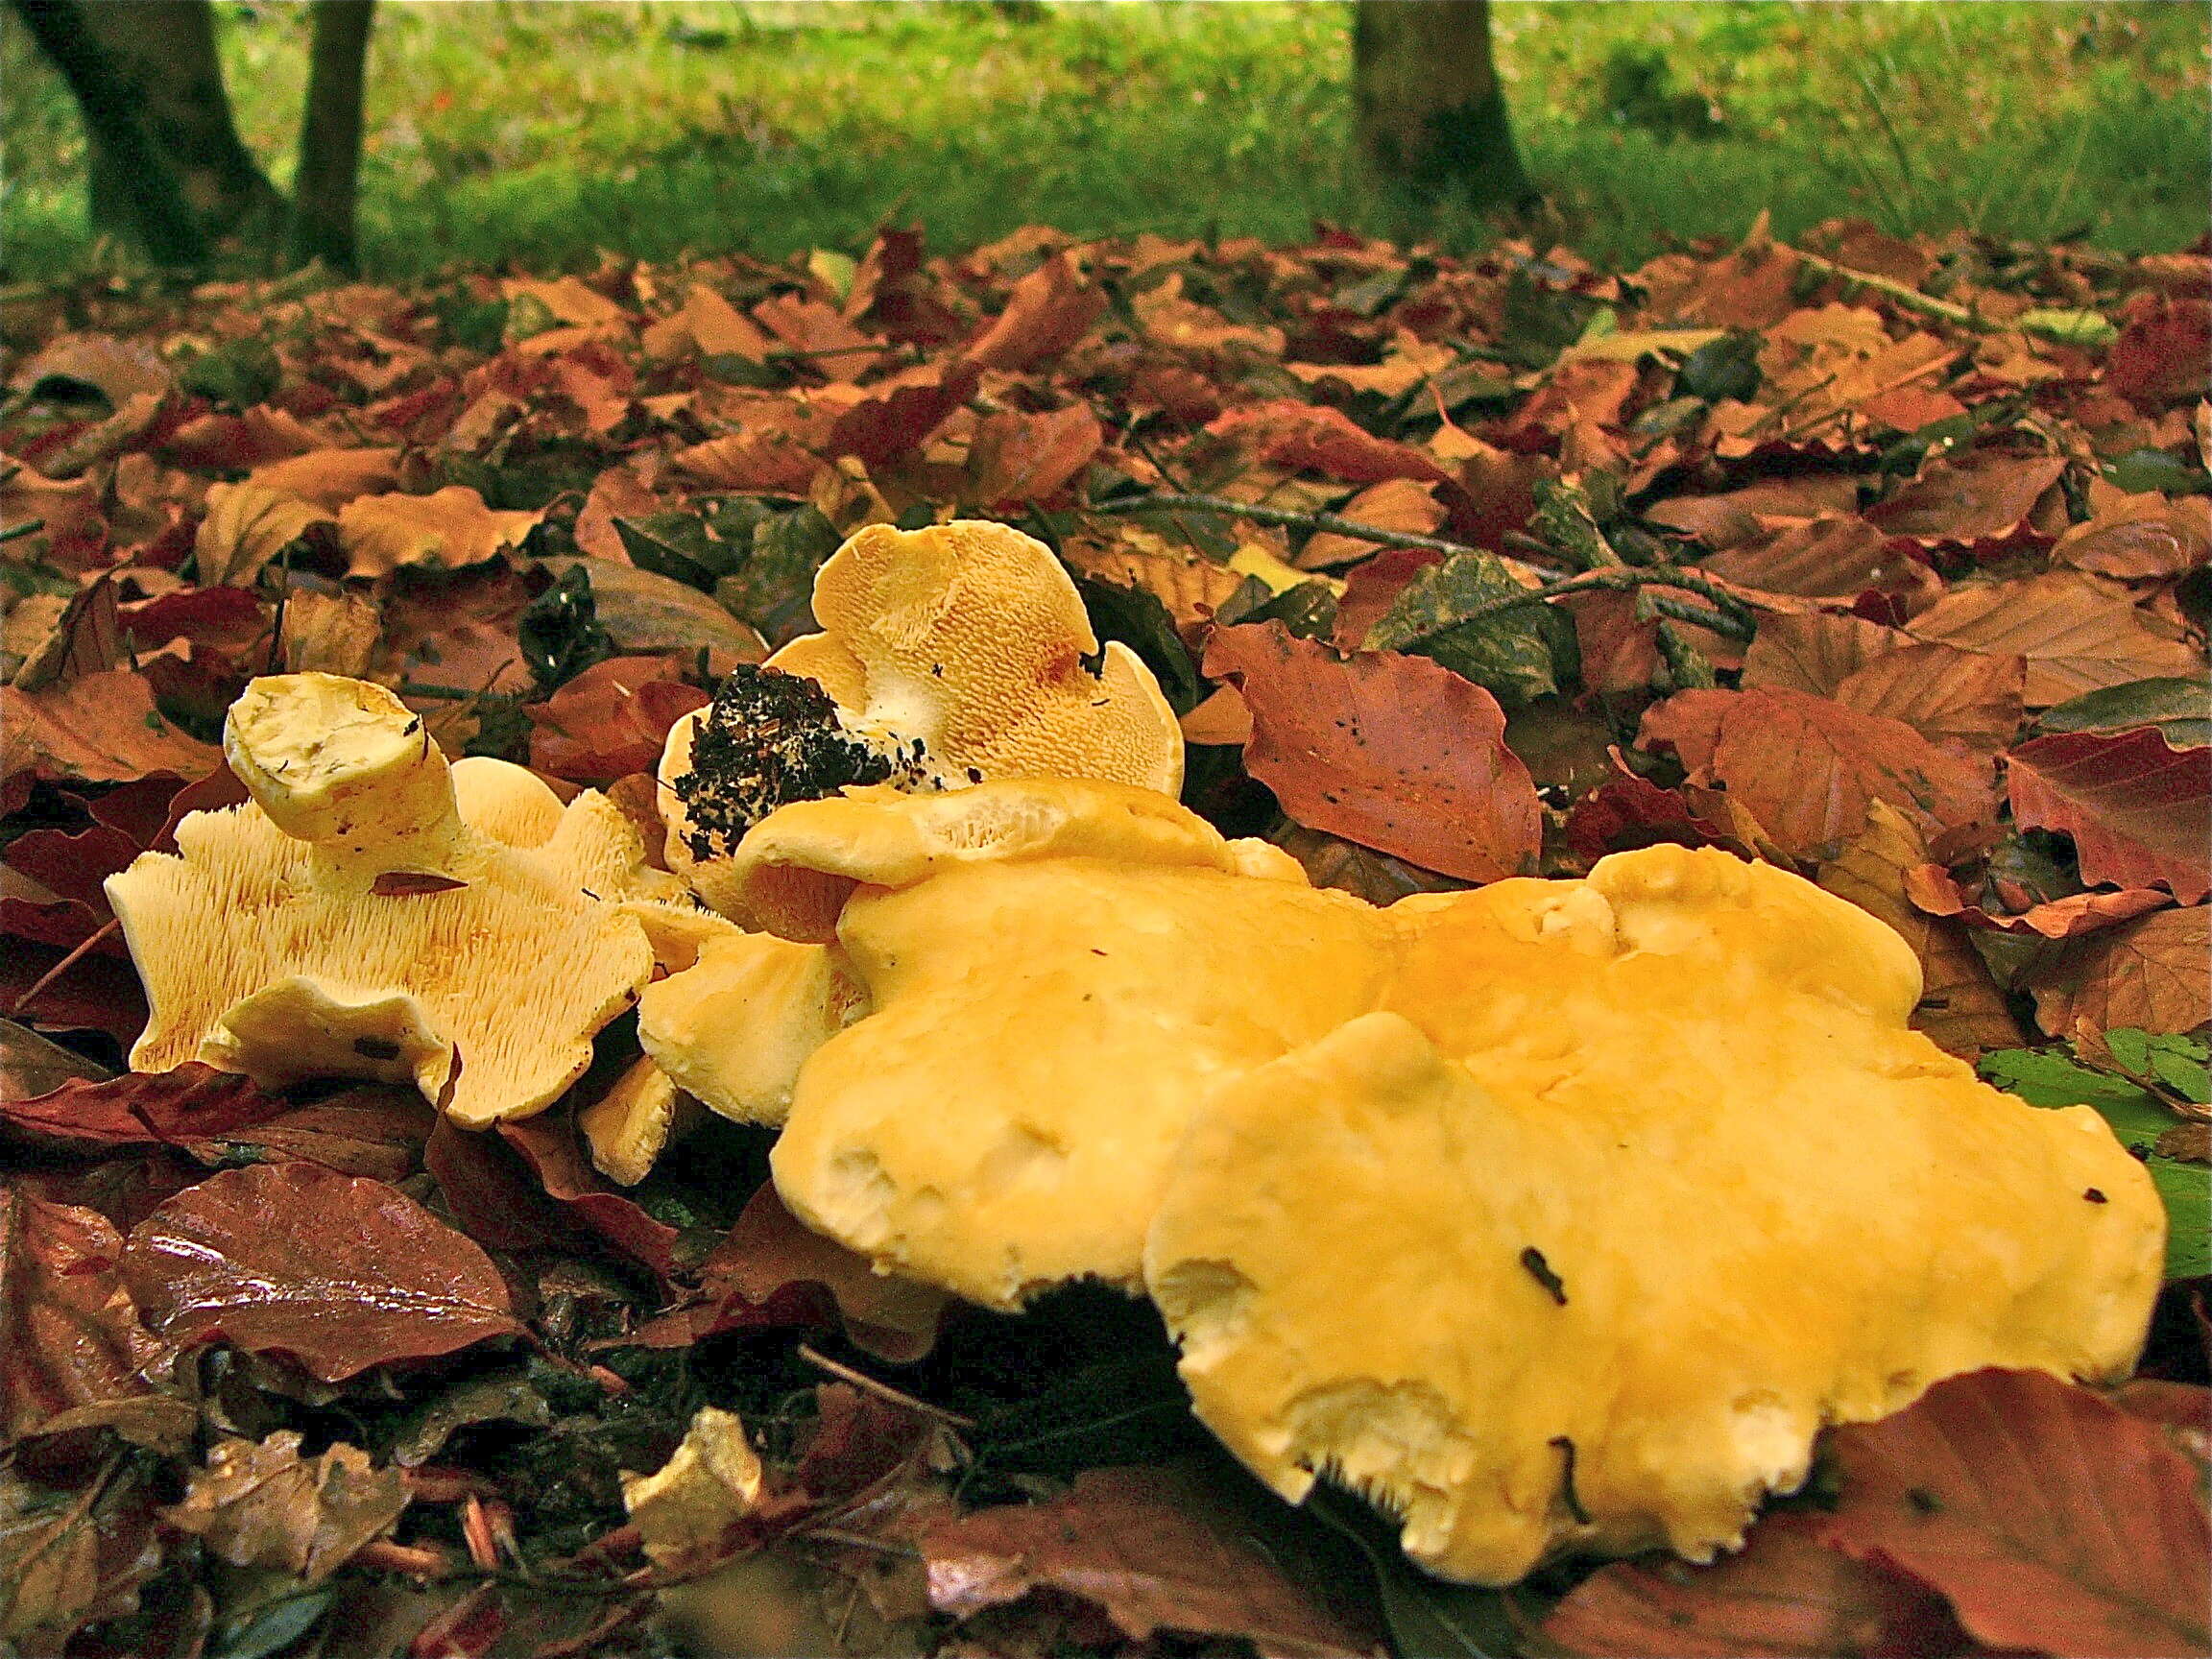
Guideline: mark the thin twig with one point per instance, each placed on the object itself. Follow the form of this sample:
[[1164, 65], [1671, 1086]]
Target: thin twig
[[66, 964], [868, 1384], [1283, 518], [1911, 299], [29, 527]]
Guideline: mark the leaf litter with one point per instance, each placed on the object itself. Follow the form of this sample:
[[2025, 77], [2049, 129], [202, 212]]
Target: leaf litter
[[1457, 568]]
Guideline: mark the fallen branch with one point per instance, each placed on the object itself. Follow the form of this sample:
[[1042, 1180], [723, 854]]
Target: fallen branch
[[1284, 518]]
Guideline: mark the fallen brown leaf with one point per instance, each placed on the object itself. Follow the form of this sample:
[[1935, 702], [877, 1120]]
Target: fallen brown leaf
[[2077, 637], [339, 1273], [265, 1506], [1397, 753], [2053, 1521], [2139, 810], [2151, 975], [1807, 768]]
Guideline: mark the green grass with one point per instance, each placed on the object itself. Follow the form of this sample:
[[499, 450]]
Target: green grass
[[542, 133]]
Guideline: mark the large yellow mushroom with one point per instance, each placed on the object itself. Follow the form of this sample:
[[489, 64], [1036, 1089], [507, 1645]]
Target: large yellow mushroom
[[1639, 1182], [1560, 1213], [375, 912]]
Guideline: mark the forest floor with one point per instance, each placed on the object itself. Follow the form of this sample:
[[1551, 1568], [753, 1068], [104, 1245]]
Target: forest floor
[[1856, 561], [541, 134]]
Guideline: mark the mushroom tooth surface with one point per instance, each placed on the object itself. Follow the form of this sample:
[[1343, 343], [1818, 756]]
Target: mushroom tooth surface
[[398, 944], [1647, 1167], [1042, 1030]]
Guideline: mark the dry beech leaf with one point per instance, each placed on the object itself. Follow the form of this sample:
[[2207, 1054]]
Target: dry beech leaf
[[450, 528], [339, 1273], [329, 478], [72, 1557], [72, 1350], [1787, 1595], [1395, 504], [145, 1108], [1190, 585], [770, 1270], [1396, 752], [2139, 811], [1942, 692], [1046, 313], [1960, 1007], [1298, 437], [1977, 500], [2076, 637], [265, 1506], [1155, 1547], [1019, 458], [2054, 1521], [246, 526], [1932, 890], [2140, 537], [119, 370], [103, 729], [610, 720], [2154, 974], [1807, 768]]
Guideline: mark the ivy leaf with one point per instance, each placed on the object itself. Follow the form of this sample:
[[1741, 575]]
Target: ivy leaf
[[1513, 654]]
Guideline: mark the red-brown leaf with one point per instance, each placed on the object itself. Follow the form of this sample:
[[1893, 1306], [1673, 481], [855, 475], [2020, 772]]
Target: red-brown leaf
[[1300, 436], [339, 1273], [1396, 752], [72, 1350], [2151, 975], [413, 883], [2140, 811], [1018, 457], [1786, 1594], [1942, 692], [1156, 1548], [1932, 890], [144, 1108], [1047, 311], [1977, 500], [1805, 767], [2054, 1521], [610, 720], [549, 1144], [881, 429], [2160, 356]]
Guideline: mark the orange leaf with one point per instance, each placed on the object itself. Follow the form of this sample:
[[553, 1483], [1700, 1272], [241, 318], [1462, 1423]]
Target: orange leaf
[[1807, 768], [2151, 975], [1397, 753], [2055, 1522], [1046, 313], [2077, 637], [102, 728]]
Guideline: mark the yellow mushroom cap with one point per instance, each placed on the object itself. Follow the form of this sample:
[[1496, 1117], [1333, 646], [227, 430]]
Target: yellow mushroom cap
[[1055, 972], [1647, 1172], [971, 637], [402, 941], [958, 653]]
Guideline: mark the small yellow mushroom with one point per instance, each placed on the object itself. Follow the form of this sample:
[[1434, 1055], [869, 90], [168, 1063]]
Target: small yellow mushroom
[[949, 656], [353, 920]]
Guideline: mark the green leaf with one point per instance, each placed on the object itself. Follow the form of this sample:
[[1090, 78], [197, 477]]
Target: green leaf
[[2181, 709], [773, 587], [1724, 368], [276, 1626], [1428, 1619], [1139, 621], [2146, 468], [2049, 1078], [1508, 654], [559, 630], [2068, 327], [677, 545]]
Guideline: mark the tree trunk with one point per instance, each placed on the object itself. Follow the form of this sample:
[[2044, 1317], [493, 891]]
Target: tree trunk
[[323, 197], [151, 65], [1431, 124], [143, 194]]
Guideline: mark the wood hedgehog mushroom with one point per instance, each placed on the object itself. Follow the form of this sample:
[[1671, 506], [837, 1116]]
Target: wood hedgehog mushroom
[[1031, 985], [1557, 1214], [947, 656], [375, 912], [1632, 1187]]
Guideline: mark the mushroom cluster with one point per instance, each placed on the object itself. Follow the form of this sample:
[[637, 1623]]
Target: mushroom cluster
[[1560, 1213], [1557, 1213]]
